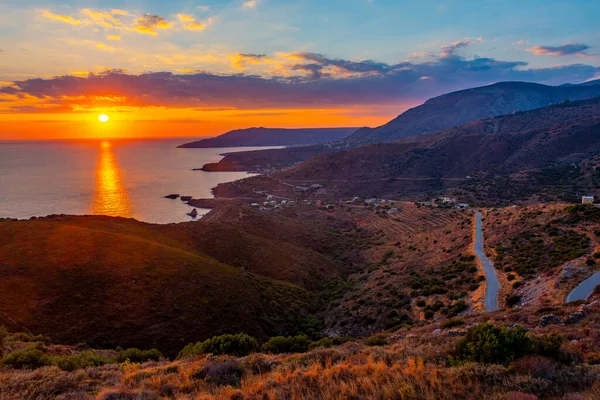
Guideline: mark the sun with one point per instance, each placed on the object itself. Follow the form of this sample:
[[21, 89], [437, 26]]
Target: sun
[[103, 118]]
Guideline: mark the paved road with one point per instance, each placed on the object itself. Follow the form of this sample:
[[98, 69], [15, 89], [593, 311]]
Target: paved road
[[584, 289], [492, 286]]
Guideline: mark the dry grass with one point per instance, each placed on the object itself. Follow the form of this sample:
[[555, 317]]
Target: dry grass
[[412, 368]]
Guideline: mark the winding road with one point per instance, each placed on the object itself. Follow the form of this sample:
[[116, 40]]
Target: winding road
[[584, 289], [492, 286]]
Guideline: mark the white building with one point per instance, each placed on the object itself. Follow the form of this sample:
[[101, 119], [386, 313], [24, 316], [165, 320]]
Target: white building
[[587, 200]]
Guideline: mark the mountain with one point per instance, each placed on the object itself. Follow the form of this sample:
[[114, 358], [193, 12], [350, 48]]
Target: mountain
[[554, 135], [272, 137], [464, 106], [438, 113]]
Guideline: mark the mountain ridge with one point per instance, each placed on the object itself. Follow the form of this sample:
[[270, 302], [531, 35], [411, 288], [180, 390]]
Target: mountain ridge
[[260, 136]]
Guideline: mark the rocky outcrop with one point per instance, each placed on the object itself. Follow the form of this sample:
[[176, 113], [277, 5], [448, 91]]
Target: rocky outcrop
[[549, 319], [172, 196]]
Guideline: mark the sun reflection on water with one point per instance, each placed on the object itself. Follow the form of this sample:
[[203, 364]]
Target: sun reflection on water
[[110, 197]]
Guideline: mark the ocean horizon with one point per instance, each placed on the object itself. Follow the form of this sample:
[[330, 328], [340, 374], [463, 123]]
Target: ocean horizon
[[116, 177]]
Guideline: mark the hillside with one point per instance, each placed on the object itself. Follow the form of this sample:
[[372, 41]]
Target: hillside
[[511, 358], [272, 137], [548, 137], [460, 107], [158, 286], [439, 113]]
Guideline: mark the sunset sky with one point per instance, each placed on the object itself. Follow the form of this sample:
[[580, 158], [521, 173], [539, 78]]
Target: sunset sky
[[193, 68]]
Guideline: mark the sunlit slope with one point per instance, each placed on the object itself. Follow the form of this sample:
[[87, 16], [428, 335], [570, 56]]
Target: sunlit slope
[[77, 283]]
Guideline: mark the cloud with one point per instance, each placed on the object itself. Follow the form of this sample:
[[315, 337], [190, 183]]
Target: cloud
[[242, 60], [572, 49], [61, 17], [113, 37], [450, 50], [102, 18], [310, 80], [119, 12], [250, 4], [189, 23], [149, 24]]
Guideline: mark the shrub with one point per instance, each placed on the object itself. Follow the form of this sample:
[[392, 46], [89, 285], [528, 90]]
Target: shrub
[[3, 334], [28, 337], [222, 373], [376, 340], [76, 361], [452, 323], [512, 300], [137, 355], [30, 357], [457, 308], [429, 314], [328, 342], [547, 345], [289, 344], [236, 345], [491, 344], [536, 366]]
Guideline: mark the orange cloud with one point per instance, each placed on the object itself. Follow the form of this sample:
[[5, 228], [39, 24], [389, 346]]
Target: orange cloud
[[101, 18], [61, 17], [119, 12], [189, 23], [113, 37], [148, 24]]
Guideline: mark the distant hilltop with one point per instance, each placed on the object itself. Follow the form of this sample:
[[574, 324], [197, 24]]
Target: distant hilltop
[[273, 137]]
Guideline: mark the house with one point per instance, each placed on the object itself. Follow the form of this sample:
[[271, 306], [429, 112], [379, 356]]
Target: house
[[393, 211], [270, 197], [462, 205], [587, 200], [316, 186], [254, 205], [370, 201], [446, 200]]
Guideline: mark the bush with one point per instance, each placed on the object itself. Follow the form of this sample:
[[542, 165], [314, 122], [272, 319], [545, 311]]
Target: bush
[[491, 344], [536, 366], [289, 344], [222, 373], [137, 355], [30, 357], [325, 342], [452, 323], [457, 308], [3, 334], [236, 345], [512, 300], [76, 361], [28, 337], [547, 345], [376, 340]]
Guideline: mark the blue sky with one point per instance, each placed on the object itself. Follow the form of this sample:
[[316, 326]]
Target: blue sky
[[374, 57]]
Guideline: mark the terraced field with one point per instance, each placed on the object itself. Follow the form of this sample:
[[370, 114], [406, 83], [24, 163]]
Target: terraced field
[[414, 257]]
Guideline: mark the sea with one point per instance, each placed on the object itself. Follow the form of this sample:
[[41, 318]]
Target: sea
[[125, 178]]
